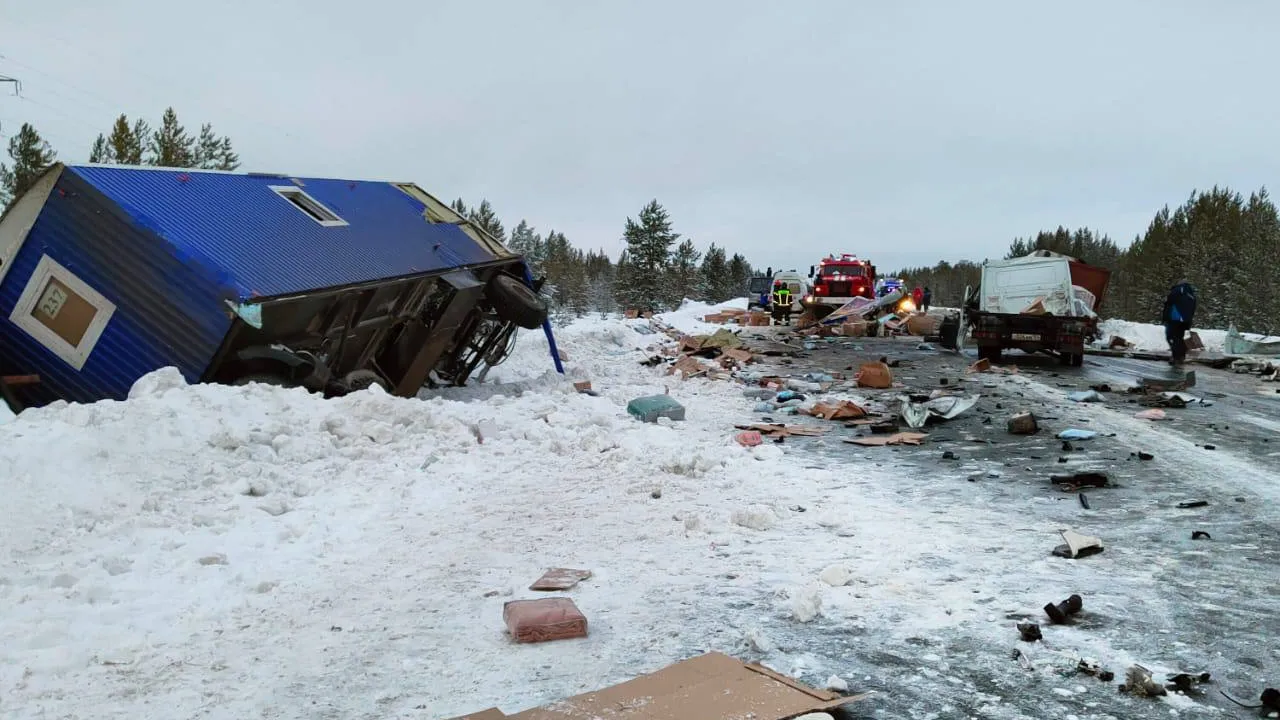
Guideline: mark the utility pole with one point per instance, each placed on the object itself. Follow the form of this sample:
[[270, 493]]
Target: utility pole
[[17, 87]]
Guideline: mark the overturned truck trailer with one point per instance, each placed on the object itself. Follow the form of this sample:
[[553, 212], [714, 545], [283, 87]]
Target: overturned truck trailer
[[108, 273]]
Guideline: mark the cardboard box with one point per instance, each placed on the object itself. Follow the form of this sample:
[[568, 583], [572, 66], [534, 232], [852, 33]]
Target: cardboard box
[[875, 375], [855, 328], [923, 325], [708, 687]]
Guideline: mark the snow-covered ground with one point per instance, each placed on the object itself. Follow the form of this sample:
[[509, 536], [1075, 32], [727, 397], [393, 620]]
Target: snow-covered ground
[[234, 552], [688, 317], [240, 552], [1150, 338]]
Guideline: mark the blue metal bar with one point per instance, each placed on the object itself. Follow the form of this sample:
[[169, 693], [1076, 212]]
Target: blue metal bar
[[546, 325]]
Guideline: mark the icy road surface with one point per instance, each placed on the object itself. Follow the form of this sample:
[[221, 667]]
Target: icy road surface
[[251, 552]]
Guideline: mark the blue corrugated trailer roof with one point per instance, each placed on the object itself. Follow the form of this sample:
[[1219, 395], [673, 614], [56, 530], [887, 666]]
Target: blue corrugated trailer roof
[[263, 244]]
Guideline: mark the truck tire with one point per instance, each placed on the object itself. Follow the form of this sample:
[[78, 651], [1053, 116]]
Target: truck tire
[[1077, 360], [516, 302], [358, 380], [989, 353]]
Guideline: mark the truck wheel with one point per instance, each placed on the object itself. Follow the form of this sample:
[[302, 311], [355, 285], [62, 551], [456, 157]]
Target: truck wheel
[[1077, 359], [358, 380], [516, 302]]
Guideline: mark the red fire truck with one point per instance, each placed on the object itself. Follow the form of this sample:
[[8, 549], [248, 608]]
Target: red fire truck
[[837, 280]]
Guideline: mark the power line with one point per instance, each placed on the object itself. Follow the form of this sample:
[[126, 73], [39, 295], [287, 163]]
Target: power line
[[87, 94], [17, 84]]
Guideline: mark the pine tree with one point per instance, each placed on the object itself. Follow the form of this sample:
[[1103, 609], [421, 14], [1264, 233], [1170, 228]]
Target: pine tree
[[170, 145], [649, 243], [683, 278], [228, 159], [739, 275], [566, 274], [101, 152], [488, 220], [624, 291], [31, 157], [715, 275], [600, 283], [207, 148], [461, 208], [127, 143], [529, 244]]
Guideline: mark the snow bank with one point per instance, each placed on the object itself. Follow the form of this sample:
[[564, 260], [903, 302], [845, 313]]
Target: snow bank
[[1150, 338], [267, 552], [688, 318]]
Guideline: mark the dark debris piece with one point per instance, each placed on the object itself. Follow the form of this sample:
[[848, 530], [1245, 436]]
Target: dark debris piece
[[1061, 612]]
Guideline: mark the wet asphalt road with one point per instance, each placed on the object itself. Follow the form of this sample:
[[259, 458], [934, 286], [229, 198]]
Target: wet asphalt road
[[1160, 598]]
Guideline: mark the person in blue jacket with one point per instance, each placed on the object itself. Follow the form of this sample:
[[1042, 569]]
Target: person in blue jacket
[[1179, 313]]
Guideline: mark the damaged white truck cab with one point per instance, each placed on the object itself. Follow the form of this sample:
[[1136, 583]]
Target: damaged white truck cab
[[1042, 302]]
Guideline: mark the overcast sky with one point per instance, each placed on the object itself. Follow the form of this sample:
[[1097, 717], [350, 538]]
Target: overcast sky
[[906, 131]]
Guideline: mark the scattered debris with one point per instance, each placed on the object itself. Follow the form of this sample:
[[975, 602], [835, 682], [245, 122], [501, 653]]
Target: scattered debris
[[652, 407], [1076, 434], [1138, 682], [582, 386], [1072, 483], [1030, 631], [1084, 501], [883, 427], [710, 687], [948, 455], [779, 430], [1145, 456], [1200, 535], [1086, 396], [1101, 387], [560, 579], [1210, 447], [1023, 424], [1152, 414], [902, 438], [1092, 668], [1148, 385], [983, 365], [688, 366], [944, 408], [1060, 613], [532, 621], [1077, 545], [1188, 683], [1192, 504], [749, 438], [844, 410], [875, 375]]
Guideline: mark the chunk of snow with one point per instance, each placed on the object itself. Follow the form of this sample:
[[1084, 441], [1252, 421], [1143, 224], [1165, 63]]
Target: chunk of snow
[[835, 683], [806, 602], [836, 576], [755, 517]]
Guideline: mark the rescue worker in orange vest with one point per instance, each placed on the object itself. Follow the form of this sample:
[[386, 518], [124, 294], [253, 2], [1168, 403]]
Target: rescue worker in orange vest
[[781, 304]]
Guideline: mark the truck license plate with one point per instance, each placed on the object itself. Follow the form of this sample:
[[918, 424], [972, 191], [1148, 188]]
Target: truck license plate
[[1026, 336]]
